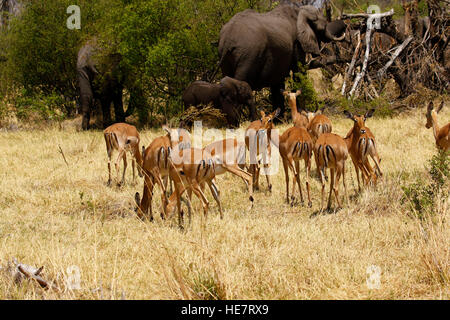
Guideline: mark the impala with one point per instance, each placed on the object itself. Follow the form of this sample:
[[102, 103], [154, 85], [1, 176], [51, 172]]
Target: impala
[[296, 144], [299, 119], [361, 144], [189, 169], [122, 137], [156, 166], [330, 151], [441, 135], [318, 124], [229, 156], [257, 140]]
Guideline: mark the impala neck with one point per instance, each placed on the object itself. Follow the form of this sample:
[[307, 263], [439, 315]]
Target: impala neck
[[293, 105], [435, 124]]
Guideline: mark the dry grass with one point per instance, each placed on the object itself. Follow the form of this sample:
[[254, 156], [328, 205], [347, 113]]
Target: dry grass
[[59, 215]]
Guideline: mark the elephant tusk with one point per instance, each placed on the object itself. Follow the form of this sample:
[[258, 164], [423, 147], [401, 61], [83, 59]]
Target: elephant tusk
[[339, 38]]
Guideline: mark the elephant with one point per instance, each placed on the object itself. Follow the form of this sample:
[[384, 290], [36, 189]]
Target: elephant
[[262, 48], [101, 77], [226, 96]]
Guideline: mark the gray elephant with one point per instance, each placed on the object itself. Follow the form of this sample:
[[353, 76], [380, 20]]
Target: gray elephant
[[101, 77], [262, 48], [226, 96]]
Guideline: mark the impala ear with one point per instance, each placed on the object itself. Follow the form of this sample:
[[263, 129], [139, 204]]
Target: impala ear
[[369, 113], [262, 113], [276, 113], [166, 129], [143, 151], [440, 107], [284, 93], [430, 106], [348, 114], [299, 92]]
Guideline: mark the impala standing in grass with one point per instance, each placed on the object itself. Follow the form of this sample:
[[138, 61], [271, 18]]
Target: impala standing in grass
[[361, 144], [441, 135], [257, 139], [330, 151], [123, 137]]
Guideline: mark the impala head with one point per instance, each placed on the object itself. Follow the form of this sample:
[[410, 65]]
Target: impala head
[[179, 137], [360, 121], [430, 112], [291, 95], [310, 115], [267, 120]]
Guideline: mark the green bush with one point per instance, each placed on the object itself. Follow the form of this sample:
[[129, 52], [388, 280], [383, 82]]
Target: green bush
[[423, 194], [308, 99]]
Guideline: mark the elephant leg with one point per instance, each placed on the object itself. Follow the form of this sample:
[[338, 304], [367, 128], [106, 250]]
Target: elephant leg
[[230, 113], [106, 104], [277, 98], [86, 106], [118, 106]]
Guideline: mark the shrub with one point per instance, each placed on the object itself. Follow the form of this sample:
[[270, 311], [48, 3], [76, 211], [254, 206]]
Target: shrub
[[424, 195]]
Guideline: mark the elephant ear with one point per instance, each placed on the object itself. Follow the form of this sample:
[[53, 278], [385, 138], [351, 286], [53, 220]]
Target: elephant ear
[[228, 91], [305, 34]]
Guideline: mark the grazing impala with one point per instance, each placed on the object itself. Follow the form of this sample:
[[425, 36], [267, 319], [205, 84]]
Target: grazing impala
[[442, 135], [123, 137], [361, 144], [296, 144], [257, 140], [198, 167], [330, 151], [299, 119], [229, 156], [188, 170], [156, 166]]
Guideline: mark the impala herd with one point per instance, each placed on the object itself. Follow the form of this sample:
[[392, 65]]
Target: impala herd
[[172, 158]]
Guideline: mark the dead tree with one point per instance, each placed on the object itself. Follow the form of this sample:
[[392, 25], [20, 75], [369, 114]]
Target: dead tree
[[418, 53]]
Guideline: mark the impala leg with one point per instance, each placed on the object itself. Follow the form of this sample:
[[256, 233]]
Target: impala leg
[[297, 178], [216, 194], [266, 172], [133, 165], [336, 185], [198, 192], [345, 184], [109, 170], [322, 181], [117, 163], [286, 177], [308, 168], [355, 164], [332, 178]]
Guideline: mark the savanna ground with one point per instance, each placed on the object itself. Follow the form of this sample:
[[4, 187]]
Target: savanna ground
[[59, 215]]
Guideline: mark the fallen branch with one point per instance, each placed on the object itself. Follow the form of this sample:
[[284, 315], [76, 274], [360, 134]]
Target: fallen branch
[[394, 56], [32, 273], [352, 64], [368, 15]]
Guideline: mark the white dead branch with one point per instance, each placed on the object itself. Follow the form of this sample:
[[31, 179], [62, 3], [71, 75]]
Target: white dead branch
[[370, 27], [397, 52]]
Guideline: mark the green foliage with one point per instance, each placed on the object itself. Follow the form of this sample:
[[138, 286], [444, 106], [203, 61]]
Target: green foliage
[[359, 106], [40, 106], [424, 195], [308, 99]]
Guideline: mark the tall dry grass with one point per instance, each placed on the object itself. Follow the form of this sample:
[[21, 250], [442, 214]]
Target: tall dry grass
[[57, 216]]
